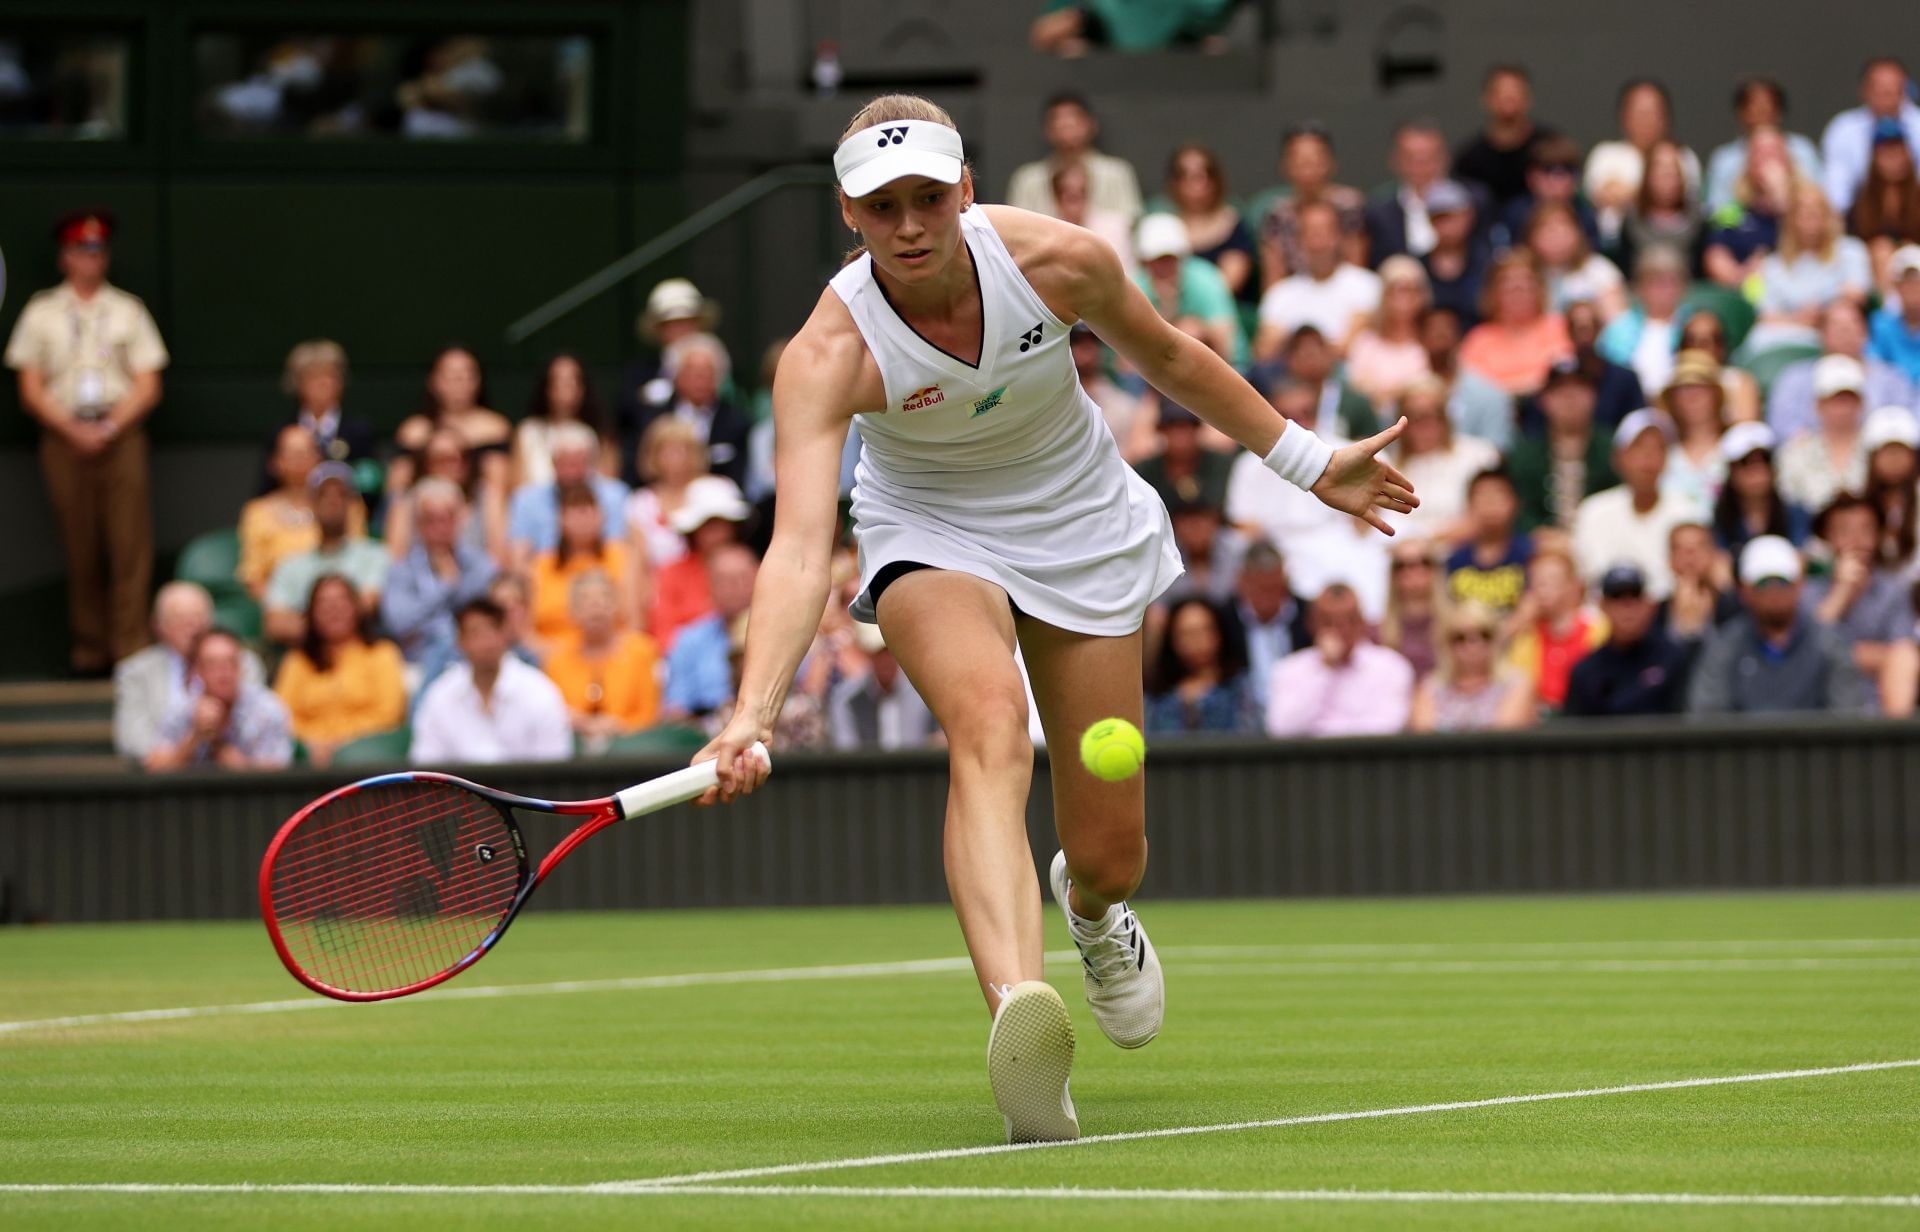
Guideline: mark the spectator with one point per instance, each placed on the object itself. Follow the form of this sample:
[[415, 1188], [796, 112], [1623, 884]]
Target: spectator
[[1705, 332], [339, 683], [514, 596], [1573, 271], [533, 517], [148, 683], [1439, 464], [1520, 340], [1895, 338], [1200, 683], [699, 373], [563, 393], [1477, 406], [1642, 338], [1846, 148], [1843, 332], [1344, 684], [1414, 604], [708, 521], [1744, 232], [456, 398], [1868, 604], [490, 706], [1771, 657], [1665, 213], [1498, 156], [222, 718], [874, 705], [1186, 290], [1401, 220], [1458, 262], [608, 674], [1073, 202], [1071, 129], [1307, 164], [1815, 466], [1182, 471], [437, 577], [1386, 357], [1892, 439], [316, 377], [1750, 504], [332, 500], [1553, 627], [675, 311], [1070, 28], [1327, 292], [1639, 670], [1210, 551], [1886, 213], [1312, 364], [671, 460], [1615, 168], [1197, 189], [1696, 402], [1568, 459], [699, 673], [1702, 598], [1629, 524], [1815, 266], [279, 525], [1553, 178], [583, 549], [89, 357], [1758, 102], [1272, 617], [1471, 690], [1616, 388], [1491, 567], [446, 456], [1131, 428]]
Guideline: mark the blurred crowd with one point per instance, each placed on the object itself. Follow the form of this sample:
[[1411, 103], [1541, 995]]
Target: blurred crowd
[[1661, 414]]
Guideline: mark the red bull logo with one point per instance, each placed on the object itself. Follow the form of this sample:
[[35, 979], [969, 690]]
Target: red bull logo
[[921, 399]]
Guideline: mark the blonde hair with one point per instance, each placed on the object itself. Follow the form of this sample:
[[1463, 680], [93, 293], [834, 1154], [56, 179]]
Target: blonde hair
[[885, 109], [314, 353], [664, 431], [1467, 614], [1790, 248]]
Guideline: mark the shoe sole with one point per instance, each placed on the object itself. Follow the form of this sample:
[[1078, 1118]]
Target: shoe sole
[[1057, 882], [1029, 1059]]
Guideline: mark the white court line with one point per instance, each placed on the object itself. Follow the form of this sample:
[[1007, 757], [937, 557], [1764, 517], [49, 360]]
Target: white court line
[[1228, 1127], [1523, 966], [1406, 1196], [960, 963]]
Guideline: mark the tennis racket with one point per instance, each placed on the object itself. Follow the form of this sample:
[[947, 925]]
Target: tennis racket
[[391, 885]]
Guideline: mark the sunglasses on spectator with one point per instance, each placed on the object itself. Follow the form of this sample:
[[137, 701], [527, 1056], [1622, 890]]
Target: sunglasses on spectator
[[1460, 637], [1412, 562], [1560, 168]]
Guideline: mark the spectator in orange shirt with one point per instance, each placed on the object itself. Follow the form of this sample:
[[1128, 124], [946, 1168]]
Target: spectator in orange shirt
[[280, 524], [1520, 340], [340, 683], [609, 674], [583, 548], [710, 516], [1553, 628]]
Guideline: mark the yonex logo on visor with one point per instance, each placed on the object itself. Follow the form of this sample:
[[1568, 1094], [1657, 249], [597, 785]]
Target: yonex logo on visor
[[876, 156], [892, 136]]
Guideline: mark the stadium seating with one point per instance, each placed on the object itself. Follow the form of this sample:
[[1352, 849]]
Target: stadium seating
[[385, 748]]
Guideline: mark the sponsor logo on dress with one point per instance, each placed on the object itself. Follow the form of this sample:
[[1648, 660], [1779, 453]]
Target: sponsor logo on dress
[[988, 403], [921, 399], [1031, 338]]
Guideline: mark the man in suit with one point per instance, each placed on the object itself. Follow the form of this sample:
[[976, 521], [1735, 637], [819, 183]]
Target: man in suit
[[696, 393], [147, 683], [1398, 221]]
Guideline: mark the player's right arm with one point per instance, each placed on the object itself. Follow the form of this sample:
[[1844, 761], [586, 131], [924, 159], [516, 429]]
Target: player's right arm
[[825, 377]]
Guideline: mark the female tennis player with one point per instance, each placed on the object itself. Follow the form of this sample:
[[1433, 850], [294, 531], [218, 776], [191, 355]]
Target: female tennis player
[[992, 508]]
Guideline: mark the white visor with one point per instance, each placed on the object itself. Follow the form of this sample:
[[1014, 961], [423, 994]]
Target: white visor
[[888, 152]]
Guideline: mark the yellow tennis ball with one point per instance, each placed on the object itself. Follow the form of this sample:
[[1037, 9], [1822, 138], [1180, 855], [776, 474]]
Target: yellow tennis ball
[[1113, 749]]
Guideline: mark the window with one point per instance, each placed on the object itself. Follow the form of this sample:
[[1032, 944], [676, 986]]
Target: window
[[63, 86], [446, 87]]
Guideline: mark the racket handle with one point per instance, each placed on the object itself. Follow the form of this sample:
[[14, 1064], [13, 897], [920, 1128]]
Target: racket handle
[[678, 787]]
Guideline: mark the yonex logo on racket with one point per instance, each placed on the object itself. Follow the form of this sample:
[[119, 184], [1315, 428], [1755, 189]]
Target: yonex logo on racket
[[892, 136], [1031, 338]]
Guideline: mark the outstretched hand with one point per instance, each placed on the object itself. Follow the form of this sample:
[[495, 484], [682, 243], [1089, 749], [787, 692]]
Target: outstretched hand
[[1356, 481]]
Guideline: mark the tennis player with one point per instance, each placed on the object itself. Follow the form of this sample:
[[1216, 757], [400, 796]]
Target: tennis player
[[992, 509]]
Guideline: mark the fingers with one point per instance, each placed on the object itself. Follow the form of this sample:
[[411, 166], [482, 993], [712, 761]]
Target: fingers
[[1380, 440], [1378, 521], [1399, 492], [1394, 476]]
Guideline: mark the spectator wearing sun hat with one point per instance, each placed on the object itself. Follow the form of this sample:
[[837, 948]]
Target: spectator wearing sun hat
[[1631, 523], [1895, 336], [1817, 466], [1696, 400], [710, 517], [1750, 503], [1773, 657], [1187, 290]]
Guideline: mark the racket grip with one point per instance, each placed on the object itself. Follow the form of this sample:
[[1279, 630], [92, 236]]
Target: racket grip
[[678, 787]]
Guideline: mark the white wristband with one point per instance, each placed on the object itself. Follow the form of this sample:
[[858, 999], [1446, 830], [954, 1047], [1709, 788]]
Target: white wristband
[[1299, 457]]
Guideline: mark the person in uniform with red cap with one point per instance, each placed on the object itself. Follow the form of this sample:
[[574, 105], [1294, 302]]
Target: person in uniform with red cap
[[89, 358]]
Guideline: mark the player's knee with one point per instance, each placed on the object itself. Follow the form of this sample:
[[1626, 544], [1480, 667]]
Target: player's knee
[[990, 727], [1114, 873]]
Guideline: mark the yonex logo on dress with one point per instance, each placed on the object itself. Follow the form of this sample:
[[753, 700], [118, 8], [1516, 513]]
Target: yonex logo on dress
[[893, 136], [1031, 338], [990, 401], [920, 399]]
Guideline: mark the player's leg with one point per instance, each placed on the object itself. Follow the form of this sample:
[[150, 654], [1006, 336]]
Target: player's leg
[[1079, 679]]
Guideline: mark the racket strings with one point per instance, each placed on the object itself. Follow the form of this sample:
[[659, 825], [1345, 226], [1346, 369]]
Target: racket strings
[[388, 887]]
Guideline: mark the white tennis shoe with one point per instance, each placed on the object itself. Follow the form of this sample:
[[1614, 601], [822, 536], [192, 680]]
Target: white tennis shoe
[[1125, 989], [1029, 1059]]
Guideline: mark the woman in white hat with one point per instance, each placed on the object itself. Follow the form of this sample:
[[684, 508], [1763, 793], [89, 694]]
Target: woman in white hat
[[992, 509]]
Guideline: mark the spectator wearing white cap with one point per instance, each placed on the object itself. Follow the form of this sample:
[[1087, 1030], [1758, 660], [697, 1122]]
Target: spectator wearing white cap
[[1750, 503], [1867, 604], [1892, 437], [1328, 292], [1772, 657], [1630, 524], [1816, 467], [1843, 331], [1896, 328], [1186, 289], [709, 517]]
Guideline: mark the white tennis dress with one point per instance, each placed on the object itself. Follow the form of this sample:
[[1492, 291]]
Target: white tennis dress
[[1005, 471]]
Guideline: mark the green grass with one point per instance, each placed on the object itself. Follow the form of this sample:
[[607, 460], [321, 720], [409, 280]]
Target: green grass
[[1346, 1006]]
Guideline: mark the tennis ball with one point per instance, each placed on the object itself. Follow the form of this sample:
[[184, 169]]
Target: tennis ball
[[1113, 749]]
